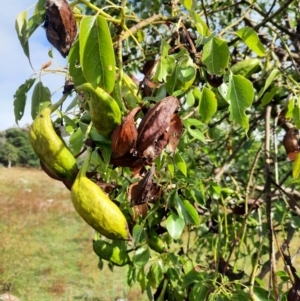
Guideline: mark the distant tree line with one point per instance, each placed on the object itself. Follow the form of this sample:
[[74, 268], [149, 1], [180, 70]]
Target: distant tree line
[[15, 148]]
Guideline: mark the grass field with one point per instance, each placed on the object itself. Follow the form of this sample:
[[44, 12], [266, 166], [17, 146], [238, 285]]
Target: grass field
[[46, 248]]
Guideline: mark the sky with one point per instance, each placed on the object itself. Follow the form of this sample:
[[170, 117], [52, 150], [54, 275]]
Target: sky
[[14, 65]]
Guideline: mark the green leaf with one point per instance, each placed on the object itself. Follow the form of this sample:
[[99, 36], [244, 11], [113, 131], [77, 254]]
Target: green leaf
[[268, 96], [21, 26], [97, 56], [188, 4], [192, 126], [180, 163], [26, 27], [76, 141], [138, 234], [216, 56], [141, 256], [296, 113], [75, 67], [41, 98], [251, 39], [175, 225], [20, 98], [240, 94], [37, 18], [155, 275], [166, 64], [190, 98], [200, 24], [191, 214], [208, 104], [269, 81], [296, 168], [186, 211]]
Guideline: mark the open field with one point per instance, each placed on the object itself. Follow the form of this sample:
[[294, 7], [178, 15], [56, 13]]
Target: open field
[[46, 248]]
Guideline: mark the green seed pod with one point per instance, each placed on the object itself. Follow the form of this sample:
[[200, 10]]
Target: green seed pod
[[105, 112], [50, 148], [111, 253]]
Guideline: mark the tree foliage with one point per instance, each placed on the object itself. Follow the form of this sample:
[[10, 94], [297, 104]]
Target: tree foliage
[[223, 202], [16, 150]]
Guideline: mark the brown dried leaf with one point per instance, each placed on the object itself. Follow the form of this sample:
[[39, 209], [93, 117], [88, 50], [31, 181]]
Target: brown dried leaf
[[155, 123], [60, 25], [174, 131], [46, 65], [291, 143], [140, 192], [125, 135], [140, 210]]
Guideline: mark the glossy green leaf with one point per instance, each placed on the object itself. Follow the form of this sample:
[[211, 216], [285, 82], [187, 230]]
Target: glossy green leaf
[[296, 167], [186, 211], [191, 215], [268, 96], [138, 234], [269, 81], [75, 67], [296, 113], [166, 64], [240, 95], [246, 67], [216, 56], [190, 98], [97, 56], [76, 141], [208, 104], [175, 225], [21, 28], [20, 98], [193, 126], [41, 98], [180, 163], [200, 24], [141, 256], [251, 39], [37, 18], [188, 4], [26, 27]]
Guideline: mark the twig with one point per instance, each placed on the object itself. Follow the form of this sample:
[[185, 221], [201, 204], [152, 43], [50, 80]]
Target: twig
[[267, 191]]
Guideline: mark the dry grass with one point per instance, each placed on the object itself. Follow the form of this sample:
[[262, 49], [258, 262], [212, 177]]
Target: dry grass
[[46, 247]]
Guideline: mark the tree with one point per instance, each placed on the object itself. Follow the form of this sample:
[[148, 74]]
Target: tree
[[221, 79], [17, 141], [8, 154]]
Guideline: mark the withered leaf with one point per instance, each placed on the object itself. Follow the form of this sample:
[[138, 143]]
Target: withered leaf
[[174, 131], [140, 210], [155, 123], [141, 192], [125, 135], [60, 25], [291, 143]]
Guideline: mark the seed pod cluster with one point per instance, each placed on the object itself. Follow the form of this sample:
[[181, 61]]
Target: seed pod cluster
[[135, 147]]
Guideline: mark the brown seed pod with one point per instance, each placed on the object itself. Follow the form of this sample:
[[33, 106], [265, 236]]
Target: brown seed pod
[[174, 131], [291, 143], [60, 25], [125, 135], [140, 192], [155, 123]]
